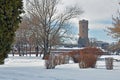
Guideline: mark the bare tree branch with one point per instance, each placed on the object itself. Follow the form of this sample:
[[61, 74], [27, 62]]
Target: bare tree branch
[[48, 24]]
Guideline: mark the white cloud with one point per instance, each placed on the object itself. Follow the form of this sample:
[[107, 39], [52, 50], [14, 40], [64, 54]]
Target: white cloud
[[99, 26], [95, 10]]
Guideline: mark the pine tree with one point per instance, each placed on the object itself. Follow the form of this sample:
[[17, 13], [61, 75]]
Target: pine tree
[[10, 11]]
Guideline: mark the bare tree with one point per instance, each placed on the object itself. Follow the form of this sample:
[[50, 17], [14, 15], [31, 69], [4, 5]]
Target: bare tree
[[114, 48], [48, 23], [22, 36], [115, 31], [93, 42]]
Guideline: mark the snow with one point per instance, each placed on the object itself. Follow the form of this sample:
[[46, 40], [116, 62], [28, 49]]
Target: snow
[[32, 68]]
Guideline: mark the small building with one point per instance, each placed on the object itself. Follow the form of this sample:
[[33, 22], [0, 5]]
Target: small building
[[103, 45]]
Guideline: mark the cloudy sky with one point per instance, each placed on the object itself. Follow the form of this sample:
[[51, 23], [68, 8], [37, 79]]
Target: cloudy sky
[[99, 14]]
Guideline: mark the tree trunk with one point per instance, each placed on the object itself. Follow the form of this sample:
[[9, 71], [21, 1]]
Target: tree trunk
[[46, 51], [2, 57]]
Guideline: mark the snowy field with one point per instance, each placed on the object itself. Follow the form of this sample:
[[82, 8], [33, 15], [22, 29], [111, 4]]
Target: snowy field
[[32, 68]]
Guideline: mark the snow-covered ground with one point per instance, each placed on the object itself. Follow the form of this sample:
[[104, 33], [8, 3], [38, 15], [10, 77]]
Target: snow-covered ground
[[32, 68]]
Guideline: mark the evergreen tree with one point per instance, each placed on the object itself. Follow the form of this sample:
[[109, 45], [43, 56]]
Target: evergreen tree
[[10, 11]]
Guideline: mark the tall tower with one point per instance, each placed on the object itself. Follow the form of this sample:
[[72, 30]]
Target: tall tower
[[83, 40]]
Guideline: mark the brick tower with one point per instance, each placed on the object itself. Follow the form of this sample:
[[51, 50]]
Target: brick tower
[[83, 40]]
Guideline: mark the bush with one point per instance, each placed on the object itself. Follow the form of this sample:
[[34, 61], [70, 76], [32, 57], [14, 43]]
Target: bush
[[87, 60], [89, 56], [109, 63], [49, 61], [75, 55]]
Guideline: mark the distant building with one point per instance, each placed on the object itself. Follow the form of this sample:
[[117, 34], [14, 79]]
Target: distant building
[[103, 45], [83, 40]]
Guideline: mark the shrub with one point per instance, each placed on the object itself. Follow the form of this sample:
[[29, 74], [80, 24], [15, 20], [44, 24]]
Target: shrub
[[87, 60], [109, 63], [89, 56], [49, 61]]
